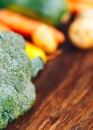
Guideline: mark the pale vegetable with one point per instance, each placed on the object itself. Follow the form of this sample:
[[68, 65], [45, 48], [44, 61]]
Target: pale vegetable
[[81, 31], [44, 38]]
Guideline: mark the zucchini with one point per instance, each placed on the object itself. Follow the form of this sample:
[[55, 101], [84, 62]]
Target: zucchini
[[49, 11]]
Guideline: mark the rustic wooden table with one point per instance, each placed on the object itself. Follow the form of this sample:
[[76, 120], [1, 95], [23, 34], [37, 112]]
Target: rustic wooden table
[[64, 93]]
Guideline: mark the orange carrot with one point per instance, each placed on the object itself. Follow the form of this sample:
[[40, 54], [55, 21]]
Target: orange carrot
[[77, 6], [3, 27], [24, 25], [58, 34], [83, 1]]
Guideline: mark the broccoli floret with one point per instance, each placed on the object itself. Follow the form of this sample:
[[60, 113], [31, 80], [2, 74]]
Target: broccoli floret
[[17, 93]]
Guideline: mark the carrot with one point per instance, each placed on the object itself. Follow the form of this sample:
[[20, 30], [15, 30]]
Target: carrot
[[25, 26], [83, 1], [77, 6], [3, 27], [58, 34]]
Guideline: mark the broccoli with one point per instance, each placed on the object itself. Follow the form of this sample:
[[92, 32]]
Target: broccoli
[[17, 93]]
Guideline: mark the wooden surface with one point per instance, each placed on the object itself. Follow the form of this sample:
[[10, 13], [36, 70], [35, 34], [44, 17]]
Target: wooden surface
[[64, 93]]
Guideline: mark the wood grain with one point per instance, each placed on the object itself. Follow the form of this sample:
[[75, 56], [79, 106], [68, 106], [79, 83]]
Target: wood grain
[[64, 93]]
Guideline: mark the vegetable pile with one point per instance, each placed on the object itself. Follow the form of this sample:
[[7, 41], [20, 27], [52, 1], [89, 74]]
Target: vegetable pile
[[45, 37], [17, 93], [18, 62], [48, 11]]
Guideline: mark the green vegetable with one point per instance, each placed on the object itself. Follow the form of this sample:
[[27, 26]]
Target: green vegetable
[[50, 11], [17, 93]]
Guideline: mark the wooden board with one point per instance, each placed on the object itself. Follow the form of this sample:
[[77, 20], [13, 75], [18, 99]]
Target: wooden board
[[64, 93]]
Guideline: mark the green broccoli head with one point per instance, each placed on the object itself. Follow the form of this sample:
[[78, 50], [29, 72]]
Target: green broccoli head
[[17, 93]]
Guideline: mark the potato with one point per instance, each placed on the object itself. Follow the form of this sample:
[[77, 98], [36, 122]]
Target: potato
[[44, 38], [81, 31]]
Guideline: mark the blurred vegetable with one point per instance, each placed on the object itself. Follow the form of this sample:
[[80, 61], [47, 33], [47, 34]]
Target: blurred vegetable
[[3, 27], [30, 49], [46, 41], [60, 37], [77, 6], [49, 11], [34, 51], [81, 30], [26, 26]]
